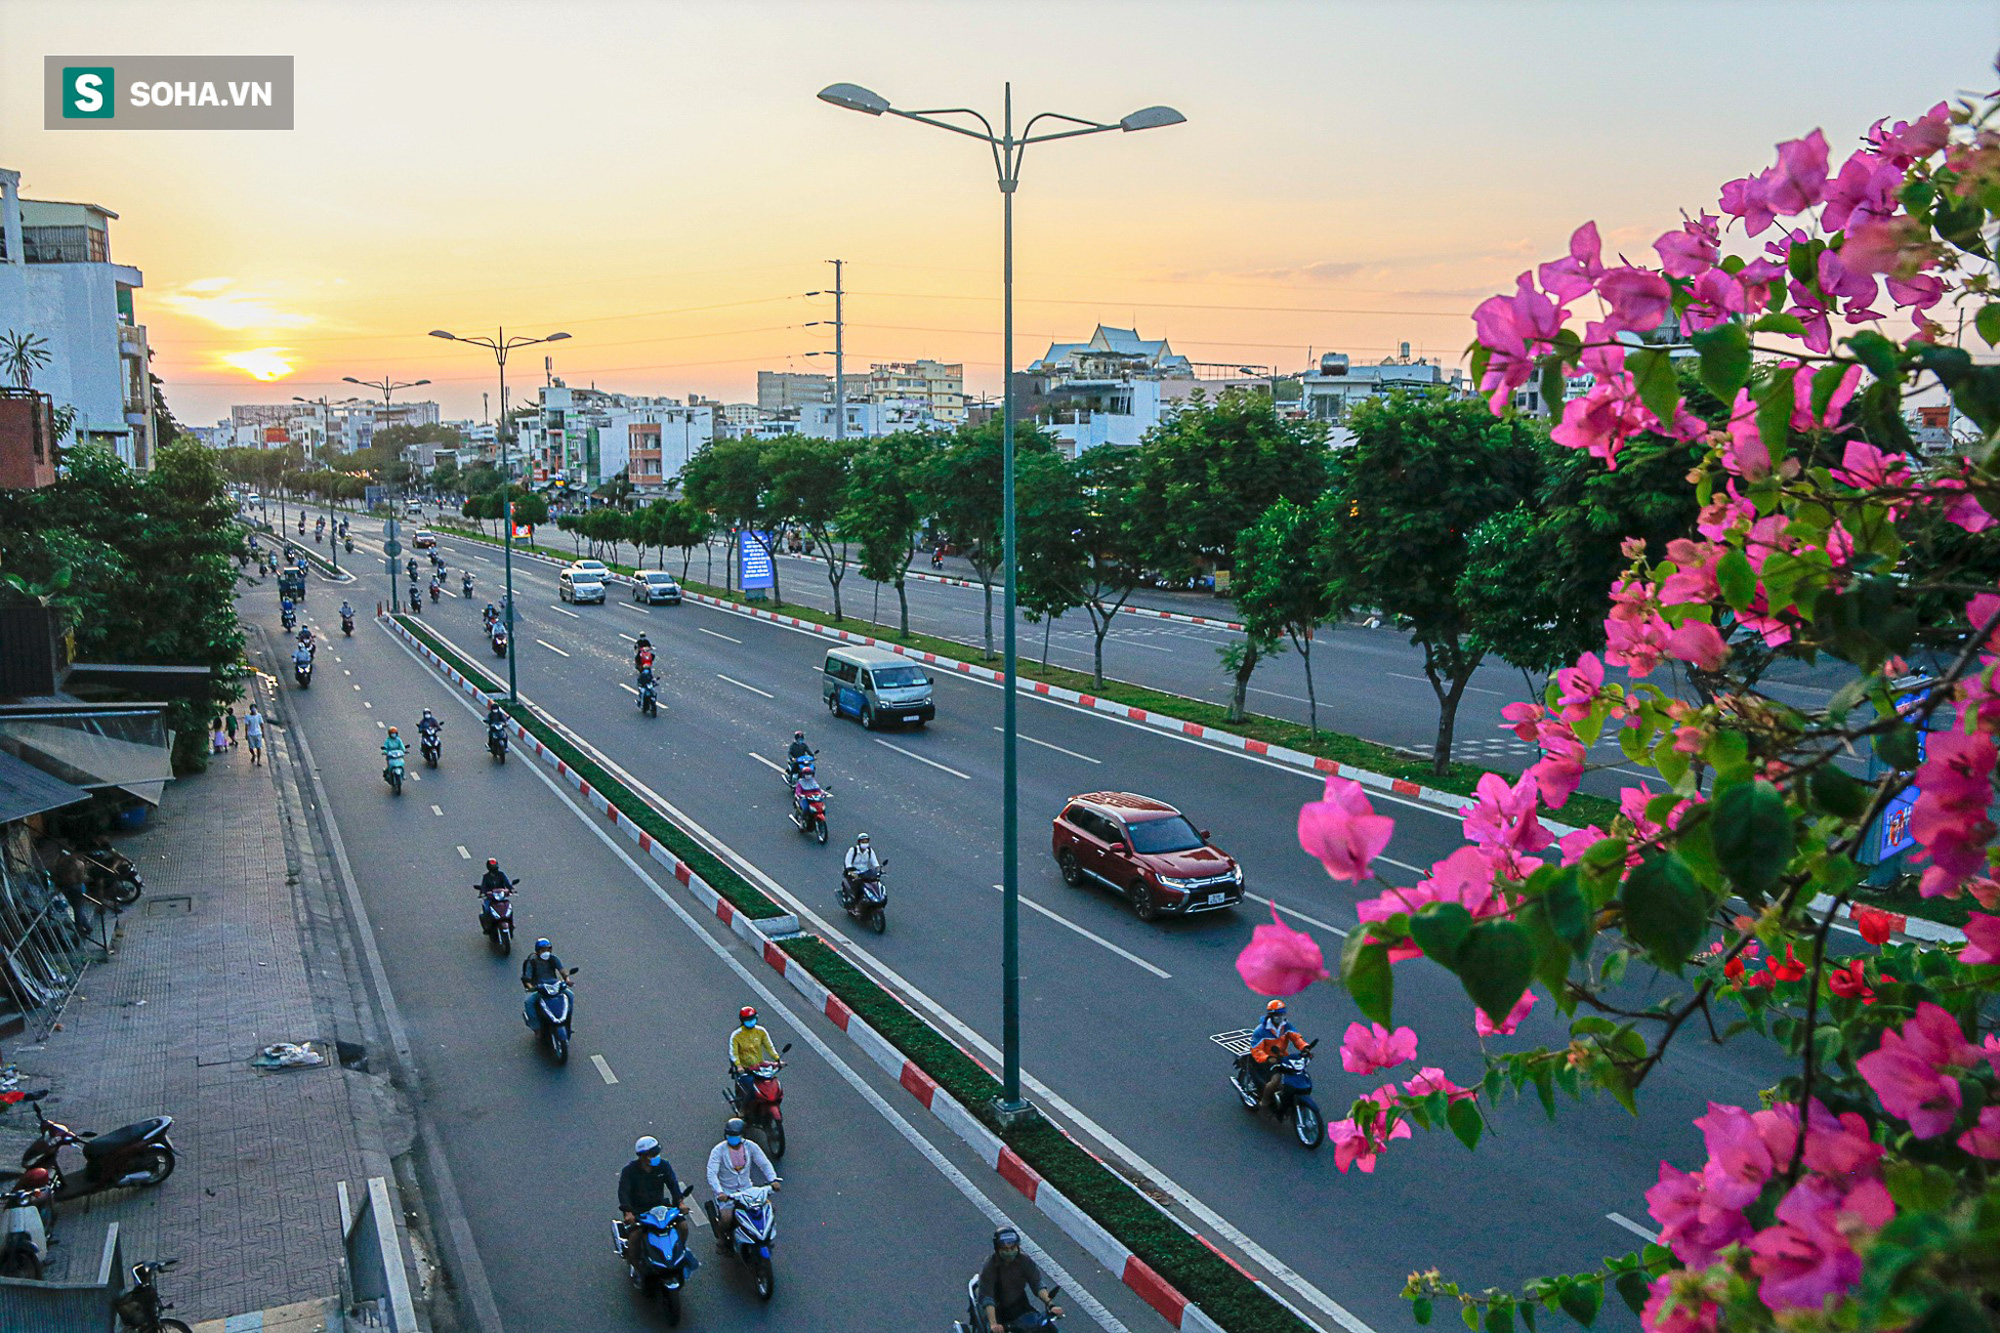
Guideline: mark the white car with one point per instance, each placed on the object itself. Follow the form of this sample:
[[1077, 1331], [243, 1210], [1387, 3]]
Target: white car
[[597, 567], [578, 584]]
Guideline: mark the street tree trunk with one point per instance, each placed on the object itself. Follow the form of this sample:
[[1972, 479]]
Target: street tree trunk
[[1304, 644], [903, 608], [1246, 663], [1449, 669]]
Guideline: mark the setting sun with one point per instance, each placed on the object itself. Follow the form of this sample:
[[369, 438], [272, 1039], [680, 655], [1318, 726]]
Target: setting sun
[[260, 363]]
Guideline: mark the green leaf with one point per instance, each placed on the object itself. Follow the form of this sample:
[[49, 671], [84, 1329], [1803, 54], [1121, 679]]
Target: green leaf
[[1735, 577], [1774, 414], [1551, 385], [1802, 259], [1837, 793], [1874, 351], [1987, 322], [1420, 1309], [1494, 965], [1753, 835], [1465, 1121], [1922, 1188], [1824, 381], [1439, 930], [1500, 1316], [1725, 359], [1898, 748], [1664, 909], [1569, 915], [1469, 1313], [1775, 323], [1633, 1289], [1364, 970], [1729, 755], [1544, 1080], [1652, 372], [1953, 1312], [1581, 1300]]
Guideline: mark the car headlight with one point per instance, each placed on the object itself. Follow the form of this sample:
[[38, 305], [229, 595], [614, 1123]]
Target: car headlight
[[1236, 873], [1176, 883]]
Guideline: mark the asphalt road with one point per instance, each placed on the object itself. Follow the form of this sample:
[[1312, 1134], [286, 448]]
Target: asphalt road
[[1116, 1014], [873, 1230]]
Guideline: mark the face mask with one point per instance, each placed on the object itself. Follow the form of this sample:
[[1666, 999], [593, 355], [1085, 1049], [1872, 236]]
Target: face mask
[[654, 1159], [734, 1140], [543, 954], [749, 1022]]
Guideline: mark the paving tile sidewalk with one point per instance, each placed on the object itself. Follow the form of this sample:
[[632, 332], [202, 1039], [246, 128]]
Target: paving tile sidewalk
[[235, 946]]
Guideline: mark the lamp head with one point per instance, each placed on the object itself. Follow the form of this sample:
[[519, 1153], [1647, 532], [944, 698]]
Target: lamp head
[[448, 337], [349, 379], [412, 386], [555, 337], [1151, 118], [855, 98]]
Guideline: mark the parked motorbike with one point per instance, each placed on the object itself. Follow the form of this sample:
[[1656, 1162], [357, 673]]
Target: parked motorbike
[[499, 640], [432, 745], [392, 773], [347, 625], [665, 1264], [302, 672], [496, 916], [865, 897], [753, 1235], [138, 1154], [26, 1213], [113, 877], [1293, 1102], [975, 1318], [496, 743], [763, 1116], [139, 1308], [554, 1004]]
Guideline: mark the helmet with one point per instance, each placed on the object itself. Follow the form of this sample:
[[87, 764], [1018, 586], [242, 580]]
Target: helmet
[[492, 863], [1275, 1007], [427, 712], [746, 1013], [34, 1178], [1005, 1237], [861, 840], [392, 731], [542, 944], [646, 1145], [733, 1125], [798, 735]]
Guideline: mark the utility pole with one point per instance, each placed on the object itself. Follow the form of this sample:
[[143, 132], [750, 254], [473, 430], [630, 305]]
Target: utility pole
[[839, 350]]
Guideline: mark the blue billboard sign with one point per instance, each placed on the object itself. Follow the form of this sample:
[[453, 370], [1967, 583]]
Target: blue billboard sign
[[753, 561], [1892, 830]]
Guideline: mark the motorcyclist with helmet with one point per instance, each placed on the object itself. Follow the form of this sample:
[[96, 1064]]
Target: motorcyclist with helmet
[[647, 1182], [642, 655], [749, 1047], [734, 1164], [1271, 1041], [539, 966], [861, 861], [1006, 1283], [796, 751]]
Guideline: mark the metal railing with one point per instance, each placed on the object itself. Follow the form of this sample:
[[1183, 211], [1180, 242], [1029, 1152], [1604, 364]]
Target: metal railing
[[45, 938], [374, 1288], [27, 1306]]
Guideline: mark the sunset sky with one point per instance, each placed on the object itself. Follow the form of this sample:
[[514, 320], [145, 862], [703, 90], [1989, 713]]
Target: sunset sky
[[658, 179]]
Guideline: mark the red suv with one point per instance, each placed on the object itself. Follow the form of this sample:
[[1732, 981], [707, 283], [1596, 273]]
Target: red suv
[[1147, 851]]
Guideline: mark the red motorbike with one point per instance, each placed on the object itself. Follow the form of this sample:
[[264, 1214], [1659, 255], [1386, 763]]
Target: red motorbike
[[762, 1114], [138, 1154], [496, 916]]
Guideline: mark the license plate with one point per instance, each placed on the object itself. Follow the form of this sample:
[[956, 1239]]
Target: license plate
[[1216, 898], [909, 717]]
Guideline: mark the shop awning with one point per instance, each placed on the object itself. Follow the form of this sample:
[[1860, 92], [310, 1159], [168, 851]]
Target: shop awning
[[94, 747], [26, 790]]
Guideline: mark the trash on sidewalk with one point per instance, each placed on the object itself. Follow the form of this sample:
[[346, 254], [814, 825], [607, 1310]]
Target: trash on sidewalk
[[290, 1055]]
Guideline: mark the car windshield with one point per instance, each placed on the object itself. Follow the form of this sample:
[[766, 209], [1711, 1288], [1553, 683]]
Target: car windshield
[[590, 566], [659, 578], [586, 576], [899, 677], [1174, 834]]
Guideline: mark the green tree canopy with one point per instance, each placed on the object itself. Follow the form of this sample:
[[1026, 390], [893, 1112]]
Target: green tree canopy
[[1080, 542], [1285, 583], [884, 509], [962, 488], [809, 486]]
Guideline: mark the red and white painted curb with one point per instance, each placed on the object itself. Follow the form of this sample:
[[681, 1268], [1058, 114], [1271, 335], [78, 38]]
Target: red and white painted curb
[[765, 939]]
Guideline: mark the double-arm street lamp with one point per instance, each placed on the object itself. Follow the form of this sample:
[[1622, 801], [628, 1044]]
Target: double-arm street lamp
[[1007, 148], [325, 432], [500, 344]]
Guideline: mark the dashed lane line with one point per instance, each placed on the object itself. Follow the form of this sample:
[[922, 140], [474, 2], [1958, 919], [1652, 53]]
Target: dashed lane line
[[945, 768], [715, 634], [1093, 937], [552, 648], [752, 688], [1059, 749], [603, 1069]]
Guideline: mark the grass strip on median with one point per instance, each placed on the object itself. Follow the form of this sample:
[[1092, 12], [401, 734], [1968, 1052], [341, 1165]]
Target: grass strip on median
[[1351, 751], [1224, 1293], [740, 892]]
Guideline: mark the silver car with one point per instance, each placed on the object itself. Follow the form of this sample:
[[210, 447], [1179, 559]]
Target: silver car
[[655, 585], [580, 585]]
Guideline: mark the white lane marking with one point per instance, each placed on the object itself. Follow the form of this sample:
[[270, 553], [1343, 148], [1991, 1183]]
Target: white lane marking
[[571, 614], [1046, 745], [1404, 865], [364, 702], [779, 769], [627, 688], [715, 634], [439, 813], [1149, 647], [920, 759], [1651, 1237], [380, 723], [629, 606], [603, 1069], [1293, 911], [1278, 694], [1425, 680], [552, 648], [1092, 936], [345, 672], [740, 685], [463, 855], [629, 638], [357, 686]]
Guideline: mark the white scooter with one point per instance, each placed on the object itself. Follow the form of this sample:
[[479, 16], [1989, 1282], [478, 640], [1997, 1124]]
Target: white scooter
[[25, 1212]]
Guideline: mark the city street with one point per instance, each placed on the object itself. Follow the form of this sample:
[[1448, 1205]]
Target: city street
[[536, 1147], [1117, 1014]]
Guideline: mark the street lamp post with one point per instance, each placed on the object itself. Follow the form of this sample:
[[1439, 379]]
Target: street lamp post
[[1007, 148], [388, 385], [500, 344], [325, 430]]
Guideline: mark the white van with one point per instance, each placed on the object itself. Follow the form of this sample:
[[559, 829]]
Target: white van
[[876, 686]]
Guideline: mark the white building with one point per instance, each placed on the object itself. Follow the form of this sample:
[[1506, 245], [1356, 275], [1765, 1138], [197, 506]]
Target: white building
[[57, 281], [1330, 392], [588, 436], [1111, 389], [939, 386]]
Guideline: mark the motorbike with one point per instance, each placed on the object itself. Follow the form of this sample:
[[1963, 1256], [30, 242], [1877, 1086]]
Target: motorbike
[[665, 1264], [436, 592], [496, 743], [347, 625], [113, 877], [465, 586], [138, 1154], [431, 743], [496, 916], [25, 1215], [1293, 1101], [392, 773], [755, 1232], [302, 672], [763, 1115], [649, 699], [139, 1308], [553, 1006], [290, 619], [349, 543], [975, 1318], [416, 602], [866, 898], [499, 641], [808, 810]]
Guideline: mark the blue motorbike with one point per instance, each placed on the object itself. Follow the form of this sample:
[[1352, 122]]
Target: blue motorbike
[[549, 1010], [652, 1249], [754, 1233]]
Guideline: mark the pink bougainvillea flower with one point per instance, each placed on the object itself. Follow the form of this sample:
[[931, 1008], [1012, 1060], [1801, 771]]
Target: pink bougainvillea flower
[[1504, 816], [1639, 298], [1836, 406], [1694, 1226], [1864, 191], [1808, 1255], [1936, 1036], [1838, 1147], [1523, 719], [1574, 845], [1739, 1160], [1876, 925], [1746, 454], [1963, 510], [1919, 292], [1431, 1079], [1697, 643], [1983, 1139], [1577, 686], [1668, 1310], [1690, 249], [1559, 772], [1279, 960], [1851, 983], [1882, 247], [1982, 939], [1910, 141], [1799, 180], [1343, 831], [1515, 329], [1486, 1027], [1368, 1047], [1355, 1147], [1950, 820], [1745, 198], [1571, 277], [1867, 468], [1908, 1071]]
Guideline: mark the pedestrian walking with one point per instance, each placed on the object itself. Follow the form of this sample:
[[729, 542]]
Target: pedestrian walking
[[229, 725], [217, 741], [253, 734]]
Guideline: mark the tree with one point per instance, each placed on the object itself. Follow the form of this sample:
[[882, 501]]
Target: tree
[[481, 478], [809, 486], [1285, 581], [728, 479], [1081, 544], [962, 488], [883, 510], [606, 528], [1206, 474], [21, 355], [1422, 475], [444, 478], [166, 430], [679, 526], [397, 438]]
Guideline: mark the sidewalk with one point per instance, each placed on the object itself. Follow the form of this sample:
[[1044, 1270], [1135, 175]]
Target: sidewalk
[[237, 944]]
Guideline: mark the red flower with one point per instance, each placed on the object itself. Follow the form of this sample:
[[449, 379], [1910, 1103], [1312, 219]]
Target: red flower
[[1789, 970], [1876, 925], [1850, 984]]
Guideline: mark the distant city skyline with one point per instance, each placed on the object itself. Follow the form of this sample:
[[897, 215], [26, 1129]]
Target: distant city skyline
[[660, 182]]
